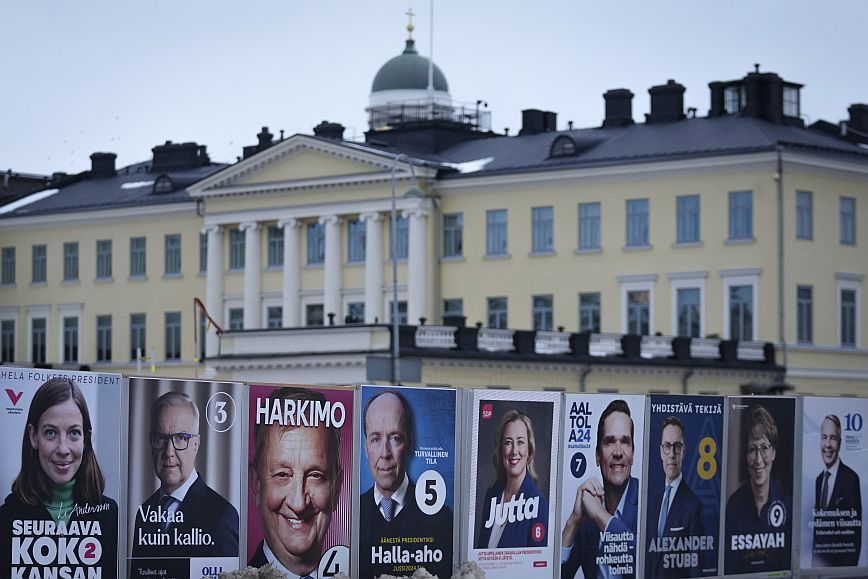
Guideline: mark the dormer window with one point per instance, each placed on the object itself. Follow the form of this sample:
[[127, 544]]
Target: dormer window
[[791, 101], [563, 146], [163, 184], [734, 98]]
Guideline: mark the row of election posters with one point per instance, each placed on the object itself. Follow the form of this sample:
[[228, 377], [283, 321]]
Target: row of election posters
[[153, 478]]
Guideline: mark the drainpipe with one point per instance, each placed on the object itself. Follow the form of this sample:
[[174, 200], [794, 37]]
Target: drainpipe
[[684, 378], [438, 291], [583, 387], [779, 177]]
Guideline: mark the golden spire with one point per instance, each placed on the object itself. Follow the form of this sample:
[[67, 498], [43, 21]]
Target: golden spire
[[410, 14]]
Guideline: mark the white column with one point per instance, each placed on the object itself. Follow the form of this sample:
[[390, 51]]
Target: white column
[[332, 273], [291, 270], [252, 266], [373, 267], [417, 282], [214, 286]]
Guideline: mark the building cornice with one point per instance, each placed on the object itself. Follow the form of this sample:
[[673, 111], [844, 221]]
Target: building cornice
[[99, 216]]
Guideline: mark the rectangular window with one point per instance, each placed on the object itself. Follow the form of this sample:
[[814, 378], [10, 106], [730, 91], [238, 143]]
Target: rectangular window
[[70, 261], [203, 252], [402, 239], [103, 338], [638, 312], [741, 214], [173, 335], [543, 313], [689, 320], [453, 307], [805, 314], [804, 215], [203, 333], [453, 234], [356, 241], [356, 313], [589, 312], [37, 340], [39, 264], [237, 244], [7, 341], [8, 275], [848, 317], [138, 341], [236, 318], [274, 315], [687, 209], [791, 101], [848, 220], [104, 259], [275, 246], [70, 339], [542, 229], [315, 243], [637, 222], [741, 312], [589, 226], [313, 315], [495, 232], [402, 311], [138, 257], [173, 254], [497, 313]]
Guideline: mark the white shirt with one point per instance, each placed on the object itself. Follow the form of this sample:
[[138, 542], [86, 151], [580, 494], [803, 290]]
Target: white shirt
[[270, 557], [180, 493]]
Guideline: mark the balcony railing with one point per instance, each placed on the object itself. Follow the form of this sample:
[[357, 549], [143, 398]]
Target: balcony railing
[[605, 345], [495, 340], [414, 112], [552, 343], [442, 337]]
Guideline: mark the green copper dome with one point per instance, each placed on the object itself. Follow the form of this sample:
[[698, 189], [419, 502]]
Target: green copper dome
[[408, 71]]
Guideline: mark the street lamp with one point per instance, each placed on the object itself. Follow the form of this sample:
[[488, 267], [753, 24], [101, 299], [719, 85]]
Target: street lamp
[[393, 242]]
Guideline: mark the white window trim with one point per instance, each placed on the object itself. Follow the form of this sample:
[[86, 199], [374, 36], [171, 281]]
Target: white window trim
[[848, 282], [630, 283], [37, 312], [688, 280], [349, 295], [68, 311], [736, 278], [231, 303], [11, 313], [269, 300]]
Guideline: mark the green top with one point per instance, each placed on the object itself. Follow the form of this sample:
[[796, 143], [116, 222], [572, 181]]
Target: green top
[[60, 506]]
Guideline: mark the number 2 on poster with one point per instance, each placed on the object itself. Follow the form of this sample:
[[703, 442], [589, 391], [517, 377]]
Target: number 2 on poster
[[707, 464], [430, 492]]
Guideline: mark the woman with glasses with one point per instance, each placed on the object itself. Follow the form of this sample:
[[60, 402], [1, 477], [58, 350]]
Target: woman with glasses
[[57, 496], [759, 513]]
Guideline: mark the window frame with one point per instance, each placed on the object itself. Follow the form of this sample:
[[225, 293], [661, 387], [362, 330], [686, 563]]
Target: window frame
[[172, 254], [453, 234], [235, 319], [542, 229], [356, 235], [138, 334], [496, 231], [543, 315], [804, 215], [741, 216], [687, 280], [104, 259], [740, 278], [104, 338], [274, 246], [138, 257], [315, 240], [590, 226], [853, 285], [70, 338], [203, 252], [499, 315], [847, 220], [688, 219], [237, 249], [7, 340], [172, 343], [592, 310], [8, 259], [804, 314], [638, 227], [39, 263], [637, 283], [70, 261], [271, 321]]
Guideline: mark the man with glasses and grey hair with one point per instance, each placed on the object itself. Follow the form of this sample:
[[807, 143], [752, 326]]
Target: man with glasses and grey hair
[[676, 512], [184, 517]]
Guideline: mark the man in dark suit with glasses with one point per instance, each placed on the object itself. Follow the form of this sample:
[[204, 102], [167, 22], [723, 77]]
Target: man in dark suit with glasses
[[184, 517]]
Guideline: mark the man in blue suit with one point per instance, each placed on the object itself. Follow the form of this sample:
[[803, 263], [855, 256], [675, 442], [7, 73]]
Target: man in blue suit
[[604, 517], [675, 513]]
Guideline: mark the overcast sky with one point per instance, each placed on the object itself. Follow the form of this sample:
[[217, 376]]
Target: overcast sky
[[108, 75]]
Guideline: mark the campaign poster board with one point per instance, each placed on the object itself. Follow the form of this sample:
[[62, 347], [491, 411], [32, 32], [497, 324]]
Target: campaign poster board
[[299, 482], [685, 448], [760, 469], [185, 441], [83, 539], [408, 452], [834, 440], [602, 457], [513, 482]]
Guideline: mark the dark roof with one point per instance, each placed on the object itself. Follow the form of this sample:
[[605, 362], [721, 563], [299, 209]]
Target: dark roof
[[133, 185], [688, 138]]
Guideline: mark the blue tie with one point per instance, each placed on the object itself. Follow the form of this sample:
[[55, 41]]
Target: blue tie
[[166, 502], [664, 510], [388, 506]]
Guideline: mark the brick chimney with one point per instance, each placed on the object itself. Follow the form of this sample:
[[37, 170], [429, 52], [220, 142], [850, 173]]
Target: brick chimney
[[103, 165], [619, 108], [667, 103]]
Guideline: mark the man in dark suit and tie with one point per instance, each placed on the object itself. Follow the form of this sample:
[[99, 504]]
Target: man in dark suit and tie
[[675, 513], [605, 512], [184, 517], [836, 489]]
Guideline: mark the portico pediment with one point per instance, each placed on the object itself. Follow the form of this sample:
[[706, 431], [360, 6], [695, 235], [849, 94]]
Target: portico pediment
[[299, 163]]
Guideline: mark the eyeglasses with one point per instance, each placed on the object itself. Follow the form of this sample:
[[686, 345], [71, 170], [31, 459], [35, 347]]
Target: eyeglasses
[[180, 440], [668, 448], [754, 451]]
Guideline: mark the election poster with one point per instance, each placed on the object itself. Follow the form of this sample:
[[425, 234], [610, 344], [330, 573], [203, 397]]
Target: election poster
[[513, 482], [683, 484], [407, 481], [60, 473], [834, 465], [758, 521], [603, 441], [184, 492], [299, 479]]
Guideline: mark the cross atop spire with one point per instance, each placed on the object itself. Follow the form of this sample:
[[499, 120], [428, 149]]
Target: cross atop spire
[[410, 14]]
